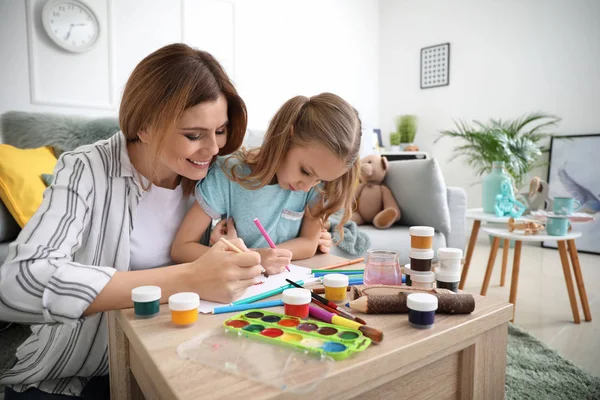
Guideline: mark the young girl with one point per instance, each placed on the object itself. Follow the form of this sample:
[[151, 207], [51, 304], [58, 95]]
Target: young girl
[[306, 169]]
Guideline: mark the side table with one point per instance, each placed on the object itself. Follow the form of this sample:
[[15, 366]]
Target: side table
[[478, 216], [565, 243]]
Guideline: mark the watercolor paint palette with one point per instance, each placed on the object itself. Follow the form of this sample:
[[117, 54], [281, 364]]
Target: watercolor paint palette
[[312, 336]]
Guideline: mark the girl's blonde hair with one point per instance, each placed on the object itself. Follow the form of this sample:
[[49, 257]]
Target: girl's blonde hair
[[326, 119], [165, 84]]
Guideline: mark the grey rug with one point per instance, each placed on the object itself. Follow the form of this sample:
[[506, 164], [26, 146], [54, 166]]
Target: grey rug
[[533, 370]]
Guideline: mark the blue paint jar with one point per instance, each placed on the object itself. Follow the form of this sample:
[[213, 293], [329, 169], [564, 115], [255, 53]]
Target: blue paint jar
[[146, 301], [421, 310]]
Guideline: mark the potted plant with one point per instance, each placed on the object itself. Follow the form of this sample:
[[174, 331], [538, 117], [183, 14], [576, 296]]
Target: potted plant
[[406, 125], [517, 144], [395, 141]]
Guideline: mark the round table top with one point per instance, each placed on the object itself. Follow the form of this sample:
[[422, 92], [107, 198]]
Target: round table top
[[479, 215], [503, 233]]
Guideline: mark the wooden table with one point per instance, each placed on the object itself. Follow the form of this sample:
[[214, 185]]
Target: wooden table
[[462, 356]]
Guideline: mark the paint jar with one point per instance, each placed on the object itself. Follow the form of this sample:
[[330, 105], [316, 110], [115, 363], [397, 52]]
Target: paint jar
[[382, 267], [184, 308], [407, 271], [146, 301], [421, 237], [421, 310], [296, 301], [420, 260], [447, 280], [422, 280], [335, 287], [450, 259]]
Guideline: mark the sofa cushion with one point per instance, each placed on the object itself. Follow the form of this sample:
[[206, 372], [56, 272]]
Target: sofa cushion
[[420, 191], [21, 185]]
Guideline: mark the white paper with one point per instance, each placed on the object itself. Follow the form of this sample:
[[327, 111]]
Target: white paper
[[263, 285]]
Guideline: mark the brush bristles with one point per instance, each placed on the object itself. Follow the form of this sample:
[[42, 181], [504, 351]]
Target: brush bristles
[[375, 335]]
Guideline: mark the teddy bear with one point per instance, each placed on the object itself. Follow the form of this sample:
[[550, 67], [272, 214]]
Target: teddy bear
[[375, 202]]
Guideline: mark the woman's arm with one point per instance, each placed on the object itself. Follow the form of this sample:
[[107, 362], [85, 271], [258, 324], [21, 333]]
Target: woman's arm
[[186, 246]]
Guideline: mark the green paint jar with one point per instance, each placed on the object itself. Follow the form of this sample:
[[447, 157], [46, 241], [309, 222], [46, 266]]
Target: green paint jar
[[146, 301]]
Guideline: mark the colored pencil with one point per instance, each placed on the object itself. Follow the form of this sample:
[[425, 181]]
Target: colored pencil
[[343, 264], [236, 249], [331, 304], [374, 334], [242, 307], [266, 236], [266, 294]]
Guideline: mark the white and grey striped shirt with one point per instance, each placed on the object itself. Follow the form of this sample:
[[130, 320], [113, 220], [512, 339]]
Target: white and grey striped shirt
[[62, 259]]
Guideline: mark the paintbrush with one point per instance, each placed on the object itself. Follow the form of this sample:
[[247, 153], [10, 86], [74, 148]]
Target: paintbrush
[[331, 304], [374, 334], [344, 263]]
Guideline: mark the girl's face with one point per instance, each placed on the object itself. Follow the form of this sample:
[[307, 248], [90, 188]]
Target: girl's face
[[198, 136], [305, 166]]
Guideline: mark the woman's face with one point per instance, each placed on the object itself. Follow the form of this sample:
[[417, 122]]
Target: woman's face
[[199, 134]]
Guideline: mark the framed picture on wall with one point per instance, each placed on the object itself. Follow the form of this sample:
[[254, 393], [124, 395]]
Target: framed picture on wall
[[435, 66], [573, 172]]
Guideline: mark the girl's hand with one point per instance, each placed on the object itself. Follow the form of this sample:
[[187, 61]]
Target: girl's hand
[[224, 228], [325, 241], [223, 275], [274, 260]]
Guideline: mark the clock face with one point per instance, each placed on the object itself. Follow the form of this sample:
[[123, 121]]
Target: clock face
[[71, 25]]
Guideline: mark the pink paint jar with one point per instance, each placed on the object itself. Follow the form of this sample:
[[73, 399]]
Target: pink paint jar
[[295, 302], [382, 267]]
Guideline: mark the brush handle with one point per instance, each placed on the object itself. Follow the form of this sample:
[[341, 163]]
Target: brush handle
[[341, 321], [320, 314]]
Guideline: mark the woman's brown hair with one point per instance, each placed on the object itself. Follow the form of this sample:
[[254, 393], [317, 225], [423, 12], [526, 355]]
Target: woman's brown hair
[[326, 119], [169, 81]]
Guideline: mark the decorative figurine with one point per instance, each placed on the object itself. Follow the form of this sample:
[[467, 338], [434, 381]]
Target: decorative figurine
[[530, 227], [506, 204], [538, 196]]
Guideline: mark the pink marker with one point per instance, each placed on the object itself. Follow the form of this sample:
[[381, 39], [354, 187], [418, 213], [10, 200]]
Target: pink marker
[[266, 236]]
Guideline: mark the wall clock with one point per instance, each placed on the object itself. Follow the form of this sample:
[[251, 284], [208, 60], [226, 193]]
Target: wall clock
[[71, 24]]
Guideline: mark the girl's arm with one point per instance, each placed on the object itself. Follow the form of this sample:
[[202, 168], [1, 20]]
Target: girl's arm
[[186, 246], [305, 245]]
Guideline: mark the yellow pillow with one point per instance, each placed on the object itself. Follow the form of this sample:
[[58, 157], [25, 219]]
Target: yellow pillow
[[21, 184]]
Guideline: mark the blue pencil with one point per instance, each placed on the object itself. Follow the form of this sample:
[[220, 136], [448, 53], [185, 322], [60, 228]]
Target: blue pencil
[[242, 307]]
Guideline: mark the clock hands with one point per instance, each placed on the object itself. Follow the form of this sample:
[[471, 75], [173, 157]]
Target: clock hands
[[71, 28]]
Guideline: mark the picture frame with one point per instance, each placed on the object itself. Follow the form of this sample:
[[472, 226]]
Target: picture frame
[[435, 66], [377, 133], [573, 172]]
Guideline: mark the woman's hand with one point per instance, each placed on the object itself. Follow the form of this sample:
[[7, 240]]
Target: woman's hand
[[274, 260], [325, 241], [222, 275], [224, 228]]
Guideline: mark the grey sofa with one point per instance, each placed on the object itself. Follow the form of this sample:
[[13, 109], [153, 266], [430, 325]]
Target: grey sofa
[[424, 199]]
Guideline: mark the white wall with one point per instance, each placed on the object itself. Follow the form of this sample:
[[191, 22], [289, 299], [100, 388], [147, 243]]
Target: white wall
[[508, 58], [273, 49]]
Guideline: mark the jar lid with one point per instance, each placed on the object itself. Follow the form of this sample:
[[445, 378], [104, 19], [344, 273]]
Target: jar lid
[[421, 254], [145, 294], [296, 296], [422, 302], [450, 253], [421, 231], [406, 269], [422, 277], [447, 276], [335, 280], [184, 301]]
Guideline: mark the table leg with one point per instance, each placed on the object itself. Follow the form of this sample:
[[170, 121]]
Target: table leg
[[564, 259], [514, 283], [472, 240], [579, 279], [118, 350], [490, 266], [504, 260]]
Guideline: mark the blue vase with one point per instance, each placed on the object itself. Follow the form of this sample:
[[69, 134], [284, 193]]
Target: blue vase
[[491, 186]]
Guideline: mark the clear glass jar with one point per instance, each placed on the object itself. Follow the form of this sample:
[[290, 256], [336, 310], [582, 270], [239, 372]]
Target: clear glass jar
[[383, 267], [491, 186]]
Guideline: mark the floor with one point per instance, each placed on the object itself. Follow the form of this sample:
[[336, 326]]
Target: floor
[[542, 302]]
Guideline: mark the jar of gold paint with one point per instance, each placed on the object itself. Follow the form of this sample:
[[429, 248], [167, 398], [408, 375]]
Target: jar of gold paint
[[335, 287], [421, 237], [184, 308]]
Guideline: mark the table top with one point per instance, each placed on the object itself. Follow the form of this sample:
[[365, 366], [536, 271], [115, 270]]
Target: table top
[[479, 215], [503, 233], [155, 340]]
